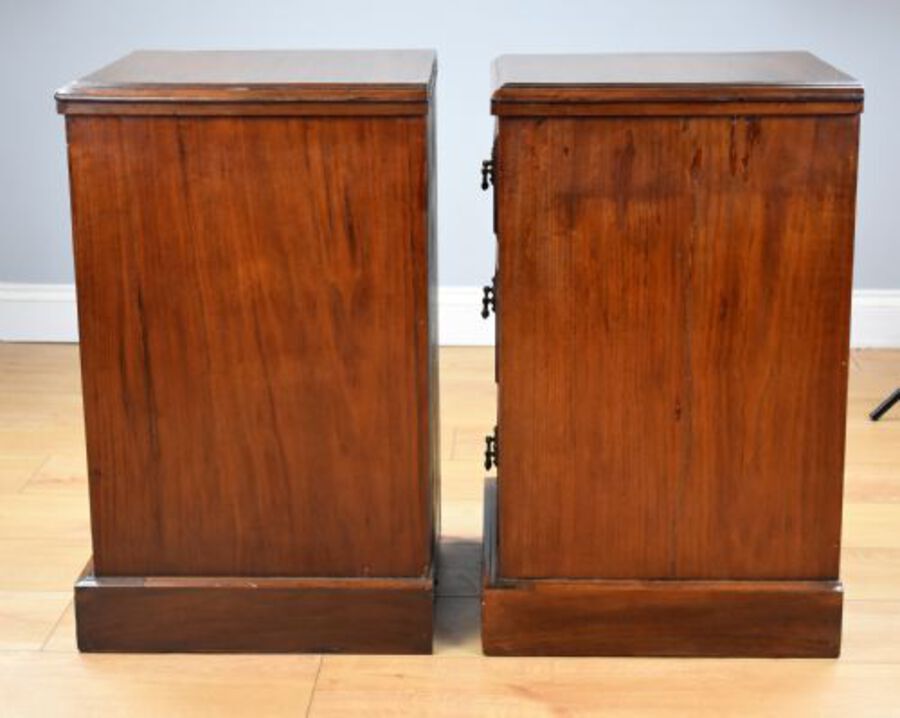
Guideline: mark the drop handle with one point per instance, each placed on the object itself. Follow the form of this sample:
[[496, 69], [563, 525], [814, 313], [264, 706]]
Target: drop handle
[[491, 451], [489, 298], [487, 174]]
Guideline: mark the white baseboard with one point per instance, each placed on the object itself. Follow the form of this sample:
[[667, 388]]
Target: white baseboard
[[459, 318], [875, 320], [46, 313], [38, 313]]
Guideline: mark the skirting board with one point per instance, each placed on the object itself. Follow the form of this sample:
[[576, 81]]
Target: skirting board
[[46, 313]]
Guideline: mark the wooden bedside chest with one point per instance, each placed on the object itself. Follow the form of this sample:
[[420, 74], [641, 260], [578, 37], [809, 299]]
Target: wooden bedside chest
[[255, 261], [675, 241]]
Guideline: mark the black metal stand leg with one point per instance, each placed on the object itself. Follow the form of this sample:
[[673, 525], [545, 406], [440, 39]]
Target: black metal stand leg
[[885, 406]]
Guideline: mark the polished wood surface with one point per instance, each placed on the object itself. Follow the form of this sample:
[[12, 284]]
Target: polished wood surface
[[253, 76], [45, 537], [730, 108], [187, 108], [715, 77], [254, 615], [599, 617], [248, 318], [256, 314], [674, 315], [680, 413], [767, 330], [582, 493]]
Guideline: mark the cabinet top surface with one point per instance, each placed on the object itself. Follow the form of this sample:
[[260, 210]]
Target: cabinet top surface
[[260, 75], [688, 77]]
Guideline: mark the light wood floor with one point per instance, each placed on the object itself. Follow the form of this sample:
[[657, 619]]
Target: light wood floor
[[44, 542]]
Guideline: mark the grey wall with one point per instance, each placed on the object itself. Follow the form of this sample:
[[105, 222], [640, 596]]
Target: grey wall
[[44, 44]]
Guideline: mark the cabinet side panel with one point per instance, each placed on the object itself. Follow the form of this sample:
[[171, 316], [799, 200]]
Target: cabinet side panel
[[253, 299], [675, 315], [769, 318], [591, 408]]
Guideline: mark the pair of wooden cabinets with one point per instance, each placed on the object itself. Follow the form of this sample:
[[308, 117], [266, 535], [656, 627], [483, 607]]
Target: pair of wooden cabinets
[[255, 258]]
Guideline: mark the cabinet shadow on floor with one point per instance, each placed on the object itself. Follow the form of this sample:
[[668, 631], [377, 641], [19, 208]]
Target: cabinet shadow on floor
[[458, 604]]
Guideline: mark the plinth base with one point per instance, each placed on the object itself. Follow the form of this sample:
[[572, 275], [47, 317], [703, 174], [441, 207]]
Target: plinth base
[[254, 615], [587, 617]]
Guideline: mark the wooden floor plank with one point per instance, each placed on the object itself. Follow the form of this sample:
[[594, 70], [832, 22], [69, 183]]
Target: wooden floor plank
[[464, 686], [16, 471], [73, 685], [871, 525], [51, 564], [871, 632], [27, 618], [62, 638], [871, 573]]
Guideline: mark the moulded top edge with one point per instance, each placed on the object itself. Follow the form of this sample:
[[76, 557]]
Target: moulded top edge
[[671, 77], [253, 76]]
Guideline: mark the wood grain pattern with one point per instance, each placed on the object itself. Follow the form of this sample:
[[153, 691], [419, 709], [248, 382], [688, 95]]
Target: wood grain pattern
[[680, 412], [255, 262], [676, 246], [255, 296], [591, 330], [255, 344], [258, 614], [767, 331], [774, 619], [595, 617]]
